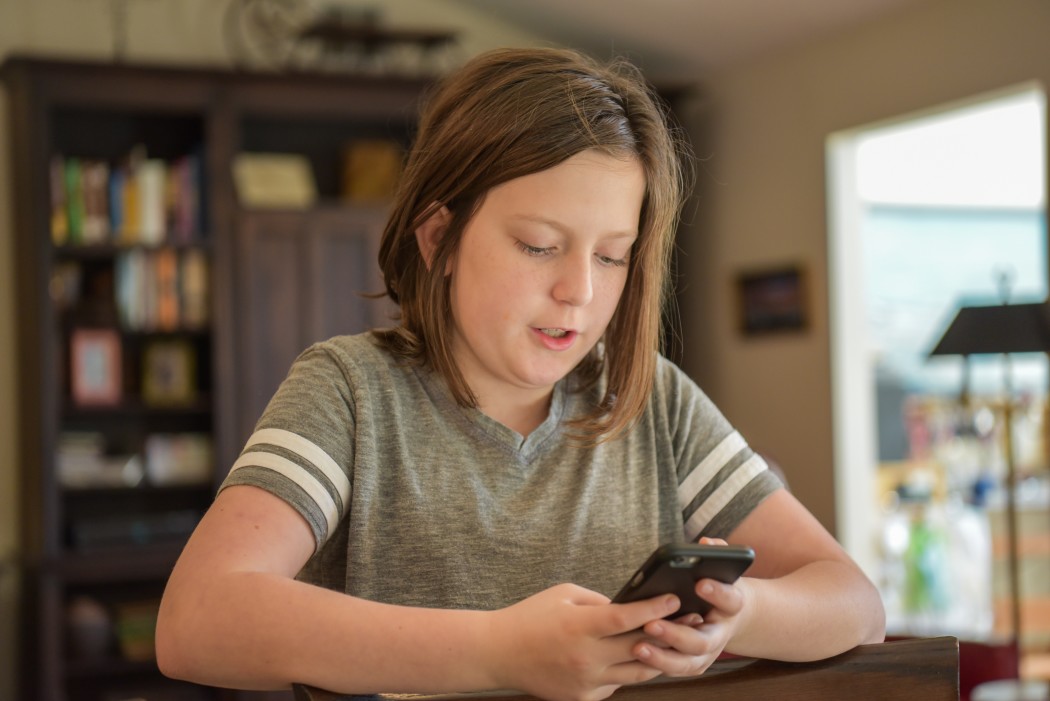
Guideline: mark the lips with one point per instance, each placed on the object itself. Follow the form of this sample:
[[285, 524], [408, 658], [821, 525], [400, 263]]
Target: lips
[[555, 338]]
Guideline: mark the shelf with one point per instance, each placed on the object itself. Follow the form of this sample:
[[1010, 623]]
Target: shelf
[[139, 490], [105, 251], [134, 408], [110, 666], [132, 564], [254, 289]]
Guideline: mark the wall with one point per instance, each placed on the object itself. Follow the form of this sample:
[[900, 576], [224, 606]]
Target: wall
[[180, 31], [762, 199]]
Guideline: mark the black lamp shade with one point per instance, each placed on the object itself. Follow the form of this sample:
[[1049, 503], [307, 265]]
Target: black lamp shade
[[1003, 328]]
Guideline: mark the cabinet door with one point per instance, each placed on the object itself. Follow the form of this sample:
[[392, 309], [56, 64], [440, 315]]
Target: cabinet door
[[301, 277]]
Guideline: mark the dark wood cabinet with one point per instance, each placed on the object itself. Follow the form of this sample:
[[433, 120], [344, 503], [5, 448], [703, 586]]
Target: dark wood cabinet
[[301, 277], [111, 381]]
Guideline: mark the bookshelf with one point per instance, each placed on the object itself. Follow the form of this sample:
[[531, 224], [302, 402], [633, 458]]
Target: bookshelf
[[157, 316]]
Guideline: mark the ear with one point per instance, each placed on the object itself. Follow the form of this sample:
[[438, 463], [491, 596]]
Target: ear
[[430, 232]]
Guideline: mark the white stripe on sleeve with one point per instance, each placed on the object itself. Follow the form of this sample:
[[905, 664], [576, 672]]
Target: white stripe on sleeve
[[307, 482], [309, 451], [709, 467], [722, 496]]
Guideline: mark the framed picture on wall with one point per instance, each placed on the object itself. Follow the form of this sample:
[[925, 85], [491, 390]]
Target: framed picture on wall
[[772, 300], [95, 367]]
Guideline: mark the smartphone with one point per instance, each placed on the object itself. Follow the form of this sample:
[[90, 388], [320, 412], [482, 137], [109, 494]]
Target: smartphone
[[676, 568]]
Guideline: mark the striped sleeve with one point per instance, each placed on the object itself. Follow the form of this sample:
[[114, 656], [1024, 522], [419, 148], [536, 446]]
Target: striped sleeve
[[325, 489], [302, 447], [723, 488]]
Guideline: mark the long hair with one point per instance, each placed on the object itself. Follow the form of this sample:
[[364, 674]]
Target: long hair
[[513, 112]]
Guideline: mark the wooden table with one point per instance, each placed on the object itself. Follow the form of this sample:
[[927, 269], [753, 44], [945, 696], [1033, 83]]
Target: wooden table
[[924, 669]]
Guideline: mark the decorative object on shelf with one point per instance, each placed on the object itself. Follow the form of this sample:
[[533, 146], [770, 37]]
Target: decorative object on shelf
[[371, 168], [90, 628], [772, 300], [1001, 330], [136, 624], [95, 367], [286, 34], [274, 180], [169, 373]]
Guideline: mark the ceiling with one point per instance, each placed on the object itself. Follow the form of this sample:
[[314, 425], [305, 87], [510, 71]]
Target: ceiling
[[677, 39]]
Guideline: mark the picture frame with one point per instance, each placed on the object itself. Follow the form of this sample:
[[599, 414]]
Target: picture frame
[[95, 367], [773, 300], [169, 373]]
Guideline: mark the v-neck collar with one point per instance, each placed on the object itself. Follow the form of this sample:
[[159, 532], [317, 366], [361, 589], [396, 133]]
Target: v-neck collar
[[523, 448]]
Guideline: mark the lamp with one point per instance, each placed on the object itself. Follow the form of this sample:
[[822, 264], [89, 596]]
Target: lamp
[[1001, 329]]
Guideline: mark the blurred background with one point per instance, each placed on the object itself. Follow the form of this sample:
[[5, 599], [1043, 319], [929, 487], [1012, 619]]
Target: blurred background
[[865, 169]]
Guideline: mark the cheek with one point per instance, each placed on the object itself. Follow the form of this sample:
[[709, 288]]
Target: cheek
[[612, 292]]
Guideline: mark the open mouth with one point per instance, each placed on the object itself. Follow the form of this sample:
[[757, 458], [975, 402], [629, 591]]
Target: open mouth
[[555, 333]]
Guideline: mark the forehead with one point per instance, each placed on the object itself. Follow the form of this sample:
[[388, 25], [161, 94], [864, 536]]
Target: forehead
[[591, 191]]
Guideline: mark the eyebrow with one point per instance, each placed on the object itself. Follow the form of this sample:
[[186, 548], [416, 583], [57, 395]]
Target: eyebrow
[[558, 226]]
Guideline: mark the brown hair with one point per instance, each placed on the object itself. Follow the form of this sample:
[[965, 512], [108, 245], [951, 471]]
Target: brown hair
[[509, 113]]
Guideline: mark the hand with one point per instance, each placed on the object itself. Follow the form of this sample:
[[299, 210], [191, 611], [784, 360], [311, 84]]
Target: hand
[[689, 645], [567, 644]]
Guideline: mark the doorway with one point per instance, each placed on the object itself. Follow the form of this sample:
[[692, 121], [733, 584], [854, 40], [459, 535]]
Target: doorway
[[927, 213]]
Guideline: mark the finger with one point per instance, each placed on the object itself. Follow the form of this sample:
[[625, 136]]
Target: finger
[[683, 639], [712, 541], [672, 662], [622, 618], [632, 672], [690, 619], [725, 598]]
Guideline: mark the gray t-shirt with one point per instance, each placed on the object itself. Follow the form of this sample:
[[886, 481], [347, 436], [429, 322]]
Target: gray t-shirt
[[418, 501]]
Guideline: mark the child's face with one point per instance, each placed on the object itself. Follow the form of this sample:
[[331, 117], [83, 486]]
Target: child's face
[[539, 272]]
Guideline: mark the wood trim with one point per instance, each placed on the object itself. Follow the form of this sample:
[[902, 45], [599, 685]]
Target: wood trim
[[921, 670]]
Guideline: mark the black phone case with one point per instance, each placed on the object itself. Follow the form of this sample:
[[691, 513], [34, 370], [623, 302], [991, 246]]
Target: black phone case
[[675, 569]]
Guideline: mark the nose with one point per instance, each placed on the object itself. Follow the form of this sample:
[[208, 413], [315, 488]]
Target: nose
[[574, 284]]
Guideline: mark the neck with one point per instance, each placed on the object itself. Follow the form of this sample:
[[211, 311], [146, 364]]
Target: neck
[[524, 417]]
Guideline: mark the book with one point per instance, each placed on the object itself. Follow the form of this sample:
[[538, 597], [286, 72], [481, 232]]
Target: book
[[193, 288], [74, 191], [151, 181], [166, 274], [95, 185], [59, 212]]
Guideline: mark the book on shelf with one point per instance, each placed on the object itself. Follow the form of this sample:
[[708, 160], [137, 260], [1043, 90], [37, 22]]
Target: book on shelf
[[179, 459], [138, 201], [74, 198], [59, 208], [82, 462], [193, 284], [162, 290], [94, 184]]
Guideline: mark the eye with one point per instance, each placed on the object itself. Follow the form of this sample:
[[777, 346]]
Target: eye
[[536, 251], [612, 262]]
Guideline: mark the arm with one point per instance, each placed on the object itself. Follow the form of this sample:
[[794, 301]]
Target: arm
[[233, 615], [803, 599]]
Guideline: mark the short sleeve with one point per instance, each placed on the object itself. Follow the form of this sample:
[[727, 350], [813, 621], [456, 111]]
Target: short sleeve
[[720, 478], [302, 447]]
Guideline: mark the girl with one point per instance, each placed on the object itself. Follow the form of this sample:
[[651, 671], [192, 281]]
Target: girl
[[447, 505]]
